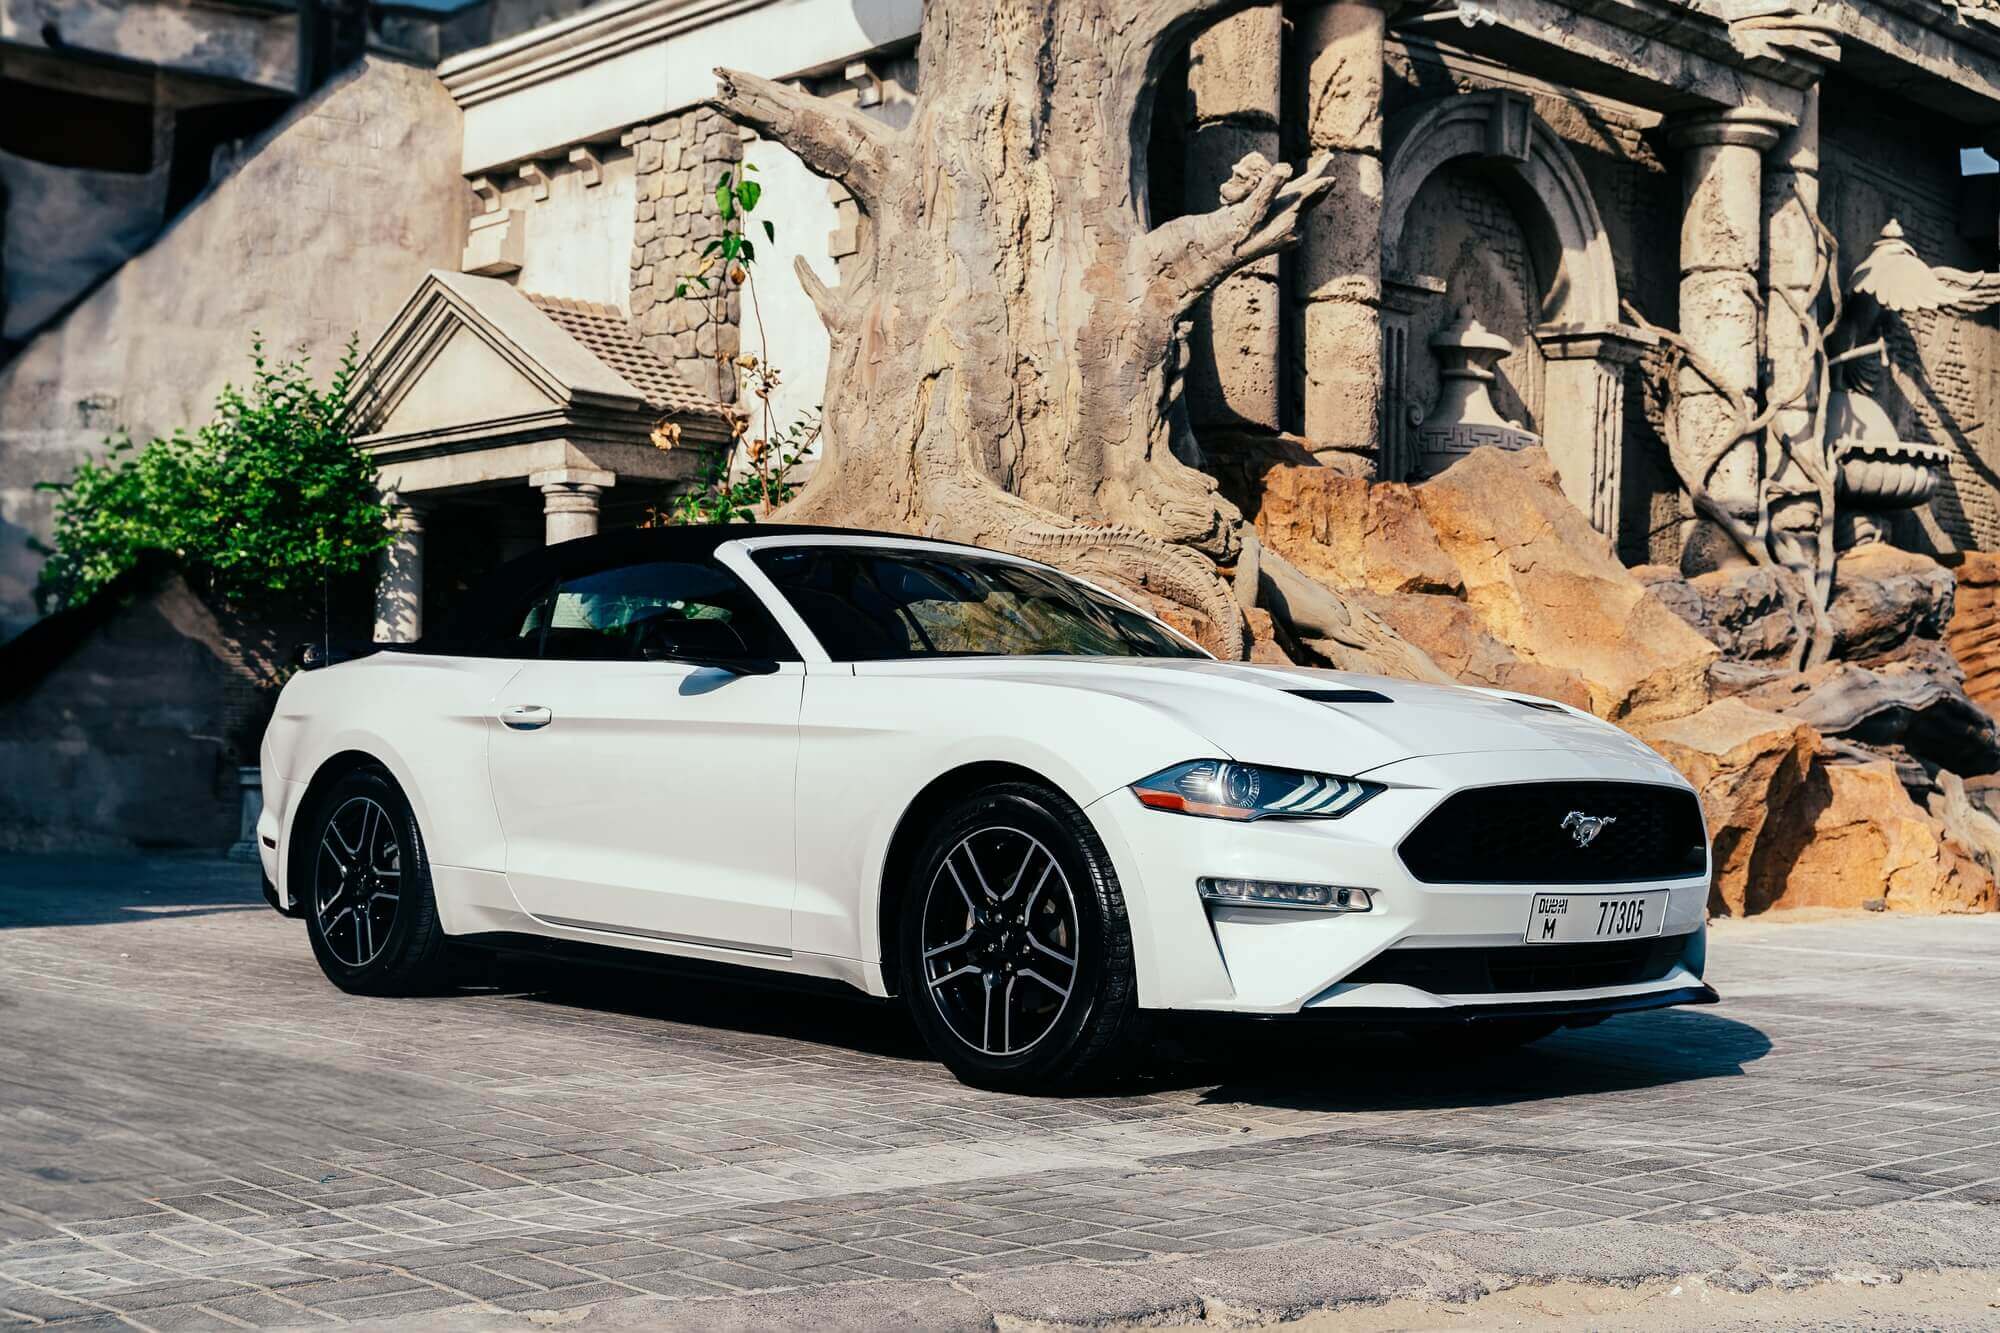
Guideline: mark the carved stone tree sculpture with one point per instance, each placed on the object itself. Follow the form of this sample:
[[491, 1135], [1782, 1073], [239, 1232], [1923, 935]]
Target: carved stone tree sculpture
[[1005, 366]]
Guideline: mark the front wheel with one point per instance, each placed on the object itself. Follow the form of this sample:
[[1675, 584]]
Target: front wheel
[[1015, 953], [367, 898]]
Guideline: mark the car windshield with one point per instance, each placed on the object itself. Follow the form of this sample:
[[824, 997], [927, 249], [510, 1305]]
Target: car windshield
[[868, 605]]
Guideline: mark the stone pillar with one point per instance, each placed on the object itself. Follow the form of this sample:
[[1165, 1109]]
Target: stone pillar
[[569, 501], [1583, 413], [676, 165], [1235, 74], [1340, 256], [1791, 254], [1722, 243], [399, 578]]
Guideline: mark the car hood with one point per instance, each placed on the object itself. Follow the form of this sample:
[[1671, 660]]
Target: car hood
[[1258, 714]]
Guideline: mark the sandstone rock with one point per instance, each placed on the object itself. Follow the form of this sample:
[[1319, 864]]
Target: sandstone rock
[[1917, 703], [1450, 631], [1974, 629], [1866, 840], [1884, 599], [1351, 534], [1966, 821], [1750, 767], [1332, 627], [1983, 790], [1546, 583], [1264, 642], [1752, 614]]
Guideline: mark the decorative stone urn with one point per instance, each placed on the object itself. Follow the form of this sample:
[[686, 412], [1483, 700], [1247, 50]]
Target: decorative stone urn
[[1879, 473], [1464, 417]]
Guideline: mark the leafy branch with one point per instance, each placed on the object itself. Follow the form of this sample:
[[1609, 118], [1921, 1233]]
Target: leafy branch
[[260, 506], [725, 491]]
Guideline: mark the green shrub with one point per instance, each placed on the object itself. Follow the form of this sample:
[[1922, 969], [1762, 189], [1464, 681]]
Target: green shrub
[[259, 506]]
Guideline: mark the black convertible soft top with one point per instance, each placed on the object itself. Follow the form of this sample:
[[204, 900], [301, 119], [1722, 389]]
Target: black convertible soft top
[[500, 599]]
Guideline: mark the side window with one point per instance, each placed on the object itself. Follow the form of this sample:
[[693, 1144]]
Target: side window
[[656, 611]]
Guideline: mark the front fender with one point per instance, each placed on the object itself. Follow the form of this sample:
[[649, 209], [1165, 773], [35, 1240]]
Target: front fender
[[870, 747]]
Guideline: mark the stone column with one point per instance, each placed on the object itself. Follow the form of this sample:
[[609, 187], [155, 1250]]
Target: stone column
[[399, 577], [1791, 253], [569, 501], [1340, 256], [1583, 413], [1235, 74], [1722, 235]]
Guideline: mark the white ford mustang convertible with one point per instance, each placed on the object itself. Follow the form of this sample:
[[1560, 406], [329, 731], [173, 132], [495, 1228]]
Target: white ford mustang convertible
[[1035, 812]]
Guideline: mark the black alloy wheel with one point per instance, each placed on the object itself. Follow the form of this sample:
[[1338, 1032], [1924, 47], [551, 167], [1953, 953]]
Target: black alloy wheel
[[366, 887], [1015, 954]]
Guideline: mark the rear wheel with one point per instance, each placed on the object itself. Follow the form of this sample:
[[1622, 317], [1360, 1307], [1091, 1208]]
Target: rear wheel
[[1016, 958], [367, 898]]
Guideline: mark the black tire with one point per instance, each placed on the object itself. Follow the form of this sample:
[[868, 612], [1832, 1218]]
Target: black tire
[[374, 929], [1014, 937]]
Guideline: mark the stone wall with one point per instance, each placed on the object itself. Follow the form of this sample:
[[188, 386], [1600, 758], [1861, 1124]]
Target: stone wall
[[677, 164], [577, 224], [1886, 160], [1462, 230], [318, 235], [1637, 194], [115, 737]]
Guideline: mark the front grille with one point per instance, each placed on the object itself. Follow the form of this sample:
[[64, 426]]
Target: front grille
[[1516, 835], [1515, 968]]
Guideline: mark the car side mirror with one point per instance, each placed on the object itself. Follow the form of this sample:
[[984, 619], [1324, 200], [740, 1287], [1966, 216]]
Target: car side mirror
[[735, 666], [705, 643]]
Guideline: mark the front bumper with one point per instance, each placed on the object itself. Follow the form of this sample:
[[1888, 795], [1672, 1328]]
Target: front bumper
[[1258, 960]]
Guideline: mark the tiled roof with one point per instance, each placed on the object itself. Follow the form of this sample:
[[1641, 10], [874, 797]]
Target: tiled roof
[[605, 332]]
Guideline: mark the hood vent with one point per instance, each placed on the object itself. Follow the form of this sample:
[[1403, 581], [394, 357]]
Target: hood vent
[[1541, 705], [1342, 696]]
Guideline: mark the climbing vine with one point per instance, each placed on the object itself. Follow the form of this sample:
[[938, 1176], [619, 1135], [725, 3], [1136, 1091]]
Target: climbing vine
[[752, 476]]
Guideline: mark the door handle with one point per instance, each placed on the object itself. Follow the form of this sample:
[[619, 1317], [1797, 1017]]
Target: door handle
[[526, 717]]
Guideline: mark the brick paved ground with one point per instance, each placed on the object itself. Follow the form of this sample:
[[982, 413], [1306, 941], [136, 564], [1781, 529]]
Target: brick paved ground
[[196, 1131]]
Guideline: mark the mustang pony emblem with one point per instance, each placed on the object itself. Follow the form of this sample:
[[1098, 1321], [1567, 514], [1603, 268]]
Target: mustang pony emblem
[[1585, 828]]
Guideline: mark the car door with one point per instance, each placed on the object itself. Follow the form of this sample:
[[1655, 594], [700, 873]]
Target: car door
[[641, 792]]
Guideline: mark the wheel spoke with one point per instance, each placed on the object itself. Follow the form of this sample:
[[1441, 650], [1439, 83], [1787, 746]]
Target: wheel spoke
[[331, 846], [986, 1021], [1030, 974], [1022, 873], [1028, 912], [1067, 960], [1007, 1017], [347, 852], [954, 975], [970, 906], [947, 947], [972, 860]]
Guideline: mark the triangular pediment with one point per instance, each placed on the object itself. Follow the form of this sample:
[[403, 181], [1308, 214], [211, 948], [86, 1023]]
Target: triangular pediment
[[466, 352]]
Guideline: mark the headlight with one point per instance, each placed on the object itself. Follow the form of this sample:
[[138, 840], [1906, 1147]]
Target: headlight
[[1220, 789]]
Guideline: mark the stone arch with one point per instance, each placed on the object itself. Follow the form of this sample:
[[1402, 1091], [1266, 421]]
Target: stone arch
[[1535, 168], [1584, 348]]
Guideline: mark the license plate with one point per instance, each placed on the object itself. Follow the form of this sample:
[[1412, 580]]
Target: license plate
[[1566, 918]]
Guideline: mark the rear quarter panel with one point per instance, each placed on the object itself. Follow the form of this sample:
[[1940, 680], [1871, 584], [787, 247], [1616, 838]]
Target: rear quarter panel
[[424, 719]]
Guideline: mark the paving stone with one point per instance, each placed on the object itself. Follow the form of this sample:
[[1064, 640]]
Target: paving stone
[[201, 1129]]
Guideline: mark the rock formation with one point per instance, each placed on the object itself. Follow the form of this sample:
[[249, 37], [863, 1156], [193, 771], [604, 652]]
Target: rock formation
[[1867, 780]]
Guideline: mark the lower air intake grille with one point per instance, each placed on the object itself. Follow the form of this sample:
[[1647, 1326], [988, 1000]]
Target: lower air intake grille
[[1528, 833], [1516, 968]]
